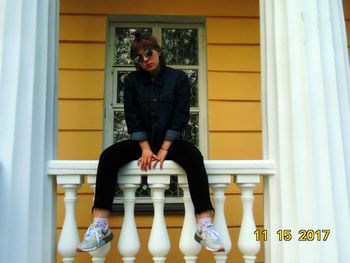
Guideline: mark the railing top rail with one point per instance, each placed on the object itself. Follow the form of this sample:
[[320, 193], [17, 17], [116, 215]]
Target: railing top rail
[[213, 167]]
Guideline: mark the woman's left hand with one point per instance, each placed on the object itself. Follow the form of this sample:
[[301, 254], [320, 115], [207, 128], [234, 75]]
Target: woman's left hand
[[162, 153]]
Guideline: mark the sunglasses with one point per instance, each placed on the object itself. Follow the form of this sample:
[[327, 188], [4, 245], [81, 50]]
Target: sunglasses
[[140, 58]]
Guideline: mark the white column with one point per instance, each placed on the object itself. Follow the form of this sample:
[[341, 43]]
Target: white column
[[129, 242], [305, 96], [218, 184], [188, 246], [69, 238], [159, 242], [247, 242], [28, 66]]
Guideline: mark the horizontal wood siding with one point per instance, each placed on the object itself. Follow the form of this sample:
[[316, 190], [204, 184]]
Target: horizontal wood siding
[[81, 86], [234, 88], [241, 8]]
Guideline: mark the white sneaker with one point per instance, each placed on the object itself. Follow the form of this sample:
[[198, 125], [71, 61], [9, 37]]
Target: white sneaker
[[209, 238], [94, 238]]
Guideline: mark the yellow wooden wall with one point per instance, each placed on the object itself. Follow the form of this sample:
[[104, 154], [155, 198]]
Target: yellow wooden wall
[[232, 30]]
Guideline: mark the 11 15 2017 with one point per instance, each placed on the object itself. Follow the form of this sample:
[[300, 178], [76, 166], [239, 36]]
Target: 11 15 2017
[[287, 234]]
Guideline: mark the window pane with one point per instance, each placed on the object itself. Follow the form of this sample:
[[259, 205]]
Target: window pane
[[120, 132], [193, 78], [120, 86], [174, 190], [143, 190], [191, 132], [123, 40], [180, 46]]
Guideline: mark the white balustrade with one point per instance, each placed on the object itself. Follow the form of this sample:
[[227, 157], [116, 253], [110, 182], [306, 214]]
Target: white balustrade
[[98, 255], [70, 177], [188, 246], [129, 242], [247, 242], [159, 242], [218, 185], [69, 238]]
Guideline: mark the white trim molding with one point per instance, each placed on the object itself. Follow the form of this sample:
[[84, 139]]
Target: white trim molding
[[305, 100]]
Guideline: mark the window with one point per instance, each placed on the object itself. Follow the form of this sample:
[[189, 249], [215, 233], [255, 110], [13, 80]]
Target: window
[[183, 47]]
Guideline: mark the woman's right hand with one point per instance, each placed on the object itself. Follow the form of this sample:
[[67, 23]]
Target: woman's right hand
[[147, 157]]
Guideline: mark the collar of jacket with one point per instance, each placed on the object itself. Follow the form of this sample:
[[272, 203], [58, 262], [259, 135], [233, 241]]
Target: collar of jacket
[[147, 77]]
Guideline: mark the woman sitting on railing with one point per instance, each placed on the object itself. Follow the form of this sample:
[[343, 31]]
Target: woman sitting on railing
[[156, 104]]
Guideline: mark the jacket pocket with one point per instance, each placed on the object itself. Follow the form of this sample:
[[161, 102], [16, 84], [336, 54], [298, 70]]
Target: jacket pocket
[[166, 108], [167, 98]]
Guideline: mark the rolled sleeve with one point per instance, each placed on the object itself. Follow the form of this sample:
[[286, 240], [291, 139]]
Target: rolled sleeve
[[172, 135], [139, 136]]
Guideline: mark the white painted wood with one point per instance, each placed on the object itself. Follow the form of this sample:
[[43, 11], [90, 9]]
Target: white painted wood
[[247, 242], [98, 255], [69, 238], [218, 185], [219, 176], [305, 96], [129, 241], [213, 167], [28, 42], [159, 242], [188, 246]]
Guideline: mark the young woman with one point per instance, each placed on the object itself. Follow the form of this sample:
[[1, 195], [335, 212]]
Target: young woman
[[156, 105]]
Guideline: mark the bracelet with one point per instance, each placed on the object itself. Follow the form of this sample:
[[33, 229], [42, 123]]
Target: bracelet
[[164, 149]]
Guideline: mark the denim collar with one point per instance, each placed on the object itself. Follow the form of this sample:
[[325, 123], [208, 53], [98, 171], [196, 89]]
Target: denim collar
[[146, 77]]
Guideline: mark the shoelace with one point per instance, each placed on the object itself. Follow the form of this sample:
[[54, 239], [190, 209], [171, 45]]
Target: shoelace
[[211, 231], [93, 230]]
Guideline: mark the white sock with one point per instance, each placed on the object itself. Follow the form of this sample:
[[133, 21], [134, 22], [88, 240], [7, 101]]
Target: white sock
[[204, 222], [101, 222]]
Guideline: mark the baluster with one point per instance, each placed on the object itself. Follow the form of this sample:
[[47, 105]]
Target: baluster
[[188, 246], [218, 184], [98, 255], [69, 238], [247, 242], [129, 242], [159, 243]]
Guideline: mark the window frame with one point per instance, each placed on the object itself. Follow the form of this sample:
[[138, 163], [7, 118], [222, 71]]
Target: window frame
[[173, 205]]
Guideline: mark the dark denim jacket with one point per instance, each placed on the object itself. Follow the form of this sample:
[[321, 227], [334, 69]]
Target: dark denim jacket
[[157, 109]]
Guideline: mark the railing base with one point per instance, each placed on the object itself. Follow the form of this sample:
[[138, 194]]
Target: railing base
[[220, 258], [189, 259], [128, 259], [159, 259], [249, 259], [68, 260]]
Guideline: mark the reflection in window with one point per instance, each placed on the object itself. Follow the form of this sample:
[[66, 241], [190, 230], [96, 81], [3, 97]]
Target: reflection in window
[[173, 38]]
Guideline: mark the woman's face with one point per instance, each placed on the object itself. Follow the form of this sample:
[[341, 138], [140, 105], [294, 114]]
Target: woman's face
[[149, 60]]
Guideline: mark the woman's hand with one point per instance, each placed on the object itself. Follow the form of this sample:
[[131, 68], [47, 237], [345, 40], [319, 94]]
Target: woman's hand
[[145, 162], [161, 155], [147, 157]]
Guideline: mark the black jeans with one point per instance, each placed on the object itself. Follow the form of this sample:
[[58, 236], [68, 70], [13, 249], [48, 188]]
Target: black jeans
[[183, 153]]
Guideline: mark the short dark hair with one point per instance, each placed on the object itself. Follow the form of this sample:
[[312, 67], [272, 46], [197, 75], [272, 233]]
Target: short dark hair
[[145, 40]]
